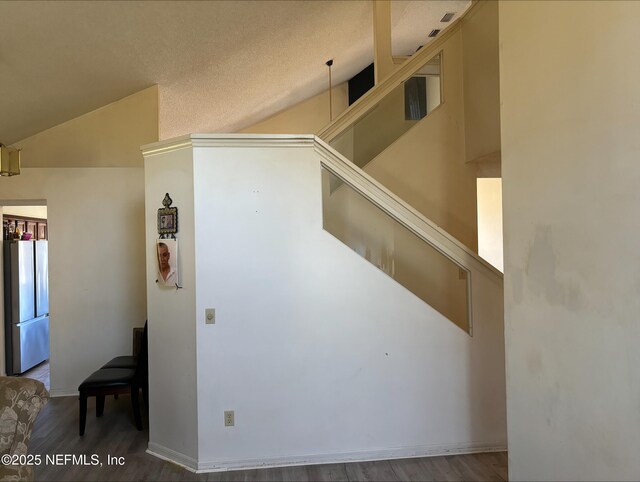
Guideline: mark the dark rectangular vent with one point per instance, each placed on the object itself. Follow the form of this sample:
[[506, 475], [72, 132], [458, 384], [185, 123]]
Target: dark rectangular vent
[[447, 17], [434, 32]]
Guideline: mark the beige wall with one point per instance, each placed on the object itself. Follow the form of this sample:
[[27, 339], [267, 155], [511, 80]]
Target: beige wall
[[306, 117], [107, 137], [96, 230], [379, 129], [96, 263], [570, 115], [395, 250], [481, 81], [426, 166]]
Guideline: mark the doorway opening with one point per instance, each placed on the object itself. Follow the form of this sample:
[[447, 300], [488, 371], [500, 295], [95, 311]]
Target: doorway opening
[[490, 245], [25, 290]]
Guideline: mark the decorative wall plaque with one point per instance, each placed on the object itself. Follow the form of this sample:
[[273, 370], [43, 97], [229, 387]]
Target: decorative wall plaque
[[167, 218]]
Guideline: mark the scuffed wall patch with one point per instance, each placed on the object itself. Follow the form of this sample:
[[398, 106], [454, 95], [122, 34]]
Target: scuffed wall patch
[[543, 277]]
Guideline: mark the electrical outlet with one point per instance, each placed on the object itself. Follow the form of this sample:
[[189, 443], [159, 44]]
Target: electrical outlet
[[229, 418], [210, 316]]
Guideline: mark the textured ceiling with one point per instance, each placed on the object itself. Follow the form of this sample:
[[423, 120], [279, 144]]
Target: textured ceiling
[[220, 65]]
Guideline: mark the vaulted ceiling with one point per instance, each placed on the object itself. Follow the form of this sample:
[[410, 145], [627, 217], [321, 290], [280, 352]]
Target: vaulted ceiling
[[220, 65]]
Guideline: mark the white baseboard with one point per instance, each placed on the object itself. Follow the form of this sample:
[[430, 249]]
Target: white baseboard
[[328, 458], [169, 455]]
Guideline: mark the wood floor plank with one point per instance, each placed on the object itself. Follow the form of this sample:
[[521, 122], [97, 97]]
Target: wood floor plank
[[271, 474], [295, 474], [462, 469], [412, 470], [114, 434], [378, 471], [39, 372], [476, 470], [233, 476], [328, 473], [442, 470], [498, 462]]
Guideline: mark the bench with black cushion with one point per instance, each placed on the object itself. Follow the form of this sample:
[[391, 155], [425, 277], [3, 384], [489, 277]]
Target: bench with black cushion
[[109, 381], [123, 374], [125, 361]]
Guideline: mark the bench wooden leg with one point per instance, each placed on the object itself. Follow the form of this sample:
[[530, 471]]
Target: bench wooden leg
[[83, 412], [135, 402], [99, 405], [145, 394]]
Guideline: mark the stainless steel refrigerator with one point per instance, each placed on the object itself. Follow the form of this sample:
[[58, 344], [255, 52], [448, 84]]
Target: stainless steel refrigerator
[[26, 304]]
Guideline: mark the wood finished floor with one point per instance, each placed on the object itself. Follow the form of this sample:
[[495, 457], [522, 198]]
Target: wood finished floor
[[56, 432], [39, 372]]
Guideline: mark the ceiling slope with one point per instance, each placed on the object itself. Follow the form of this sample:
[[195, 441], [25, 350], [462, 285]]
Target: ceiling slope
[[219, 65]]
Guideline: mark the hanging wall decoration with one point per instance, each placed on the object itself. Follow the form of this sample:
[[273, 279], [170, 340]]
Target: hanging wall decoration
[[167, 219], [167, 251], [167, 244]]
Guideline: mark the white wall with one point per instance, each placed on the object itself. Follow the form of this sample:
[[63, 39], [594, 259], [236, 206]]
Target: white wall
[[171, 314], [96, 263], [570, 116], [321, 355]]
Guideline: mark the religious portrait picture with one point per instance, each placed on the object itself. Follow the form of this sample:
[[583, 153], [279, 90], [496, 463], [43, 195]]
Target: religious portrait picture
[[167, 253]]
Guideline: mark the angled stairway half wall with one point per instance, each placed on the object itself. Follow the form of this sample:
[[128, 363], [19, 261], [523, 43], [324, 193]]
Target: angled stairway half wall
[[322, 356]]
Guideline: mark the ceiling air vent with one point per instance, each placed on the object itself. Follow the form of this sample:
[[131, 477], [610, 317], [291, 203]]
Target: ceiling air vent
[[447, 17], [434, 32]]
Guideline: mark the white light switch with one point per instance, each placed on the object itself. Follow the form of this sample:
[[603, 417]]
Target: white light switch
[[210, 316]]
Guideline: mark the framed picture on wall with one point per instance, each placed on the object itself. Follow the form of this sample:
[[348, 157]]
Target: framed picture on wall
[[167, 255], [167, 220], [167, 217]]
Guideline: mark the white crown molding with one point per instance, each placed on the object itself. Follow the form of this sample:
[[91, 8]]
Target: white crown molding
[[228, 140]]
